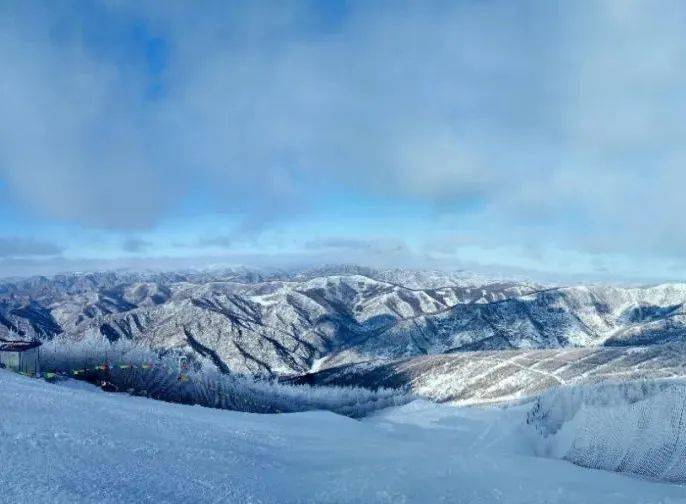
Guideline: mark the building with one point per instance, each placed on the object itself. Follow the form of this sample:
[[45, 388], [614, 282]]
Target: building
[[20, 356]]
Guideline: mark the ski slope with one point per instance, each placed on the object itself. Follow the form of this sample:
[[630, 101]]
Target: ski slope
[[73, 443]]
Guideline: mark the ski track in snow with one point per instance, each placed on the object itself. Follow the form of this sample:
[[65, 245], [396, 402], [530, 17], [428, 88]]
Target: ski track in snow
[[535, 371], [72, 444]]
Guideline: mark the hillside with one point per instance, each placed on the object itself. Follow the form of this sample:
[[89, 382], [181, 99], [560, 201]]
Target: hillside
[[292, 323], [73, 444], [499, 376]]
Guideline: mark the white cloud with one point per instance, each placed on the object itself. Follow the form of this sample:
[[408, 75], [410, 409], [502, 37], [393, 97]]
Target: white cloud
[[561, 117], [17, 247]]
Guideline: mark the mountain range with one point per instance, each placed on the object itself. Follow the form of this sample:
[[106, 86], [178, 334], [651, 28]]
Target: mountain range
[[291, 324]]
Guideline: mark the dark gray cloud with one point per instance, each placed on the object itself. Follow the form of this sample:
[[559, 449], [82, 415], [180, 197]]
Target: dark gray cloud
[[14, 247]]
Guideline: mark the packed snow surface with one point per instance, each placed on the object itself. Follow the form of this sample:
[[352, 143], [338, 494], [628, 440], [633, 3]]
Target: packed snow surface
[[69, 444]]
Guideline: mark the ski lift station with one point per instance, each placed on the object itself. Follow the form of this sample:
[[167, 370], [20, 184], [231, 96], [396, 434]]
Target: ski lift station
[[20, 356]]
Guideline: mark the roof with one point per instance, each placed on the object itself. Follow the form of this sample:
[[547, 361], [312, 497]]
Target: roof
[[17, 346]]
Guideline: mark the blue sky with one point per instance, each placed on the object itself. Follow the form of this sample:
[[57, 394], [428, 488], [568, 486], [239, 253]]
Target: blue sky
[[535, 137]]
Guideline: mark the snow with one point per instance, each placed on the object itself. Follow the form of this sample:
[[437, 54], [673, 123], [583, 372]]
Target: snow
[[636, 427], [317, 364], [68, 445], [248, 318]]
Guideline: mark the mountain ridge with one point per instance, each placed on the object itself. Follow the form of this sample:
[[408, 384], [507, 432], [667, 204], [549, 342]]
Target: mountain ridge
[[281, 323]]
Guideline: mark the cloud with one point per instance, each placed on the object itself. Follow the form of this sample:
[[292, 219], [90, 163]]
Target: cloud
[[368, 246], [27, 247], [338, 243], [75, 145], [563, 121], [136, 245], [216, 241]]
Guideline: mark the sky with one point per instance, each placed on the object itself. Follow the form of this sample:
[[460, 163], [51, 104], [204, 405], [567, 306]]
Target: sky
[[537, 137]]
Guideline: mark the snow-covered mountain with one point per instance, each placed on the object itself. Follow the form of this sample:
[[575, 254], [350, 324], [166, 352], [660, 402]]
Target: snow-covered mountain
[[295, 322], [501, 376]]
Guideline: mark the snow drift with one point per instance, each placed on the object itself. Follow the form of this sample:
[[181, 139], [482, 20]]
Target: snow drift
[[636, 427]]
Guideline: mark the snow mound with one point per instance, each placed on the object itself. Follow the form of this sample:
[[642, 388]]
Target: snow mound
[[632, 427]]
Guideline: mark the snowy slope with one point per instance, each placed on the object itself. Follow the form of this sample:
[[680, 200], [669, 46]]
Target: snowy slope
[[497, 376], [634, 427], [70, 445]]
